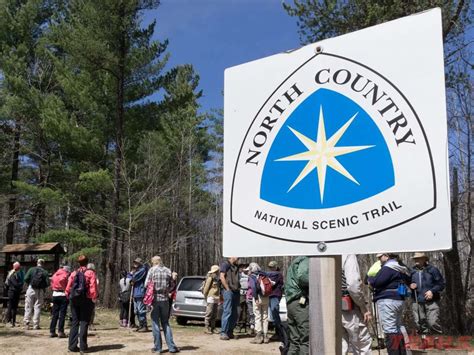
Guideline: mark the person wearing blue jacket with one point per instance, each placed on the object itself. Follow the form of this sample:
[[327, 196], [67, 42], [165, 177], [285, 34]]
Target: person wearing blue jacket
[[138, 282], [426, 283], [389, 301]]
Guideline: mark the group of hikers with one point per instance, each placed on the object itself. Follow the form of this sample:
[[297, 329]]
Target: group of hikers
[[79, 289], [249, 296], [144, 288], [391, 283]]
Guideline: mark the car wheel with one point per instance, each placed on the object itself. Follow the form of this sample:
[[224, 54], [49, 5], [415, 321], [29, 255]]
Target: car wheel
[[181, 320]]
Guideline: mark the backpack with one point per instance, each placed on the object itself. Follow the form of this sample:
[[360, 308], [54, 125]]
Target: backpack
[[201, 288], [78, 289], [265, 285], [124, 296], [38, 281], [149, 293]]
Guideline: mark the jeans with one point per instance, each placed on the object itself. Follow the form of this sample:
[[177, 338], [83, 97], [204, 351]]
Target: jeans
[[229, 311], [275, 312], [251, 316], [59, 314], [390, 313], [81, 316], [160, 315], [140, 311]]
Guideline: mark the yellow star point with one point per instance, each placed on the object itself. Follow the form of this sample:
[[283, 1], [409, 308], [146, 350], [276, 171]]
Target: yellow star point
[[322, 153]]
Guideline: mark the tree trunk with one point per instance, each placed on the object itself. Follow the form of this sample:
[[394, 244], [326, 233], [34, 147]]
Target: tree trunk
[[14, 177], [111, 275], [452, 265]]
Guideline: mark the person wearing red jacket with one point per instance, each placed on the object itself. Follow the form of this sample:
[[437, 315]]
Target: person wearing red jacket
[[81, 290], [60, 301]]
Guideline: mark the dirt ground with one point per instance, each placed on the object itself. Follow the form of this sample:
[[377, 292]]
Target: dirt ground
[[109, 338]]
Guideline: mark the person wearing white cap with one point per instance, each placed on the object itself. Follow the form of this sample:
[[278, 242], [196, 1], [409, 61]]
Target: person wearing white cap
[[211, 292], [426, 283]]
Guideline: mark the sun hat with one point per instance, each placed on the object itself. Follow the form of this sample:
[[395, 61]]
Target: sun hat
[[420, 255], [273, 264], [214, 268]]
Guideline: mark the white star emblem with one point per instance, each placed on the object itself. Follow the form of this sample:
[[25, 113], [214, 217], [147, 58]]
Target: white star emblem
[[322, 153]]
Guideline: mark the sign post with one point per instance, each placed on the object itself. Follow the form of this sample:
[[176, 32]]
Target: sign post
[[339, 147], [324, 304]]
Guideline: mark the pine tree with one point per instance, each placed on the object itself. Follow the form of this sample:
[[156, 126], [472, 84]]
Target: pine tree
[[104, 40]]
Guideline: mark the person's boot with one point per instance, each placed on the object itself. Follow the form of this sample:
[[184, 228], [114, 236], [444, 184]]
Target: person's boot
[[395, 344], [258, 339], [266, 339], [208, 330], [62, 335], [142, 329]]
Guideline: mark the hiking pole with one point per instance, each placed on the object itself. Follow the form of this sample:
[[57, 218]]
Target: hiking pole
[[130, 308], [420, 328], [376, 327]]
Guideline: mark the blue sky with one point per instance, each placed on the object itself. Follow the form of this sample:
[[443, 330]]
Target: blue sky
[[215, 34]]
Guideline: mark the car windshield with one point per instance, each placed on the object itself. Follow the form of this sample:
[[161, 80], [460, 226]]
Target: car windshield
[[190, 284]]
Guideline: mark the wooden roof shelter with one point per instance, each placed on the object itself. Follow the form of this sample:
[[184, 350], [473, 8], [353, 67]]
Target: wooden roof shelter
[[30, 249], [23, 249]]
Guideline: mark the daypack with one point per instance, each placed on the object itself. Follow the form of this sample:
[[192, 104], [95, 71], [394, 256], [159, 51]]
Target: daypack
[[201, 288], [79, 288], [149, 293], [265, 285], [124, 296], [38, 281]]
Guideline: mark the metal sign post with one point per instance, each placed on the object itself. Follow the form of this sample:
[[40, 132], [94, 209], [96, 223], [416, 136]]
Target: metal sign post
[[325, 304], [339, 147]]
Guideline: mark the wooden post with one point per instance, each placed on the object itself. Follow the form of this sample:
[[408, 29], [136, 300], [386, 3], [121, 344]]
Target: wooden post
[[56, 262], [325, 305]]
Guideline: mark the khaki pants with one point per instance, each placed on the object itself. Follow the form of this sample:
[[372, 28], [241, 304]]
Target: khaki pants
[[211, 315], [261, 315], [33, 303], [355, 335], [427, 317]]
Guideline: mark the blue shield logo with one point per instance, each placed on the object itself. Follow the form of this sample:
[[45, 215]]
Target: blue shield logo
[[329, 153]]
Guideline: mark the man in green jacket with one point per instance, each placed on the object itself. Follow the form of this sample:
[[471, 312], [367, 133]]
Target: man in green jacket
[[297, 301], [37, 280]]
